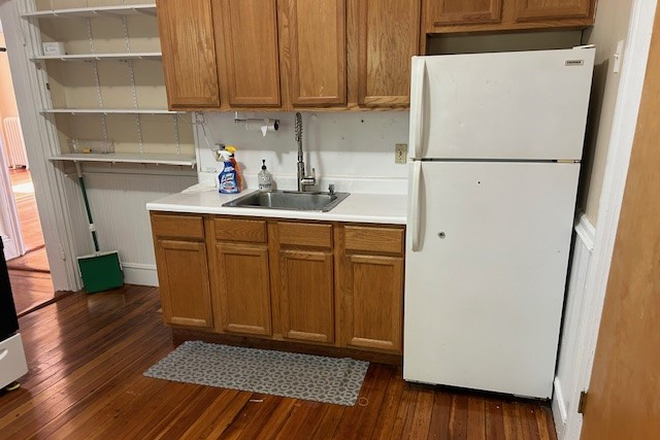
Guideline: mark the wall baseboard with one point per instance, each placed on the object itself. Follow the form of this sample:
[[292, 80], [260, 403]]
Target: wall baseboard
[[140, 274], [11, 248], [576, 310]]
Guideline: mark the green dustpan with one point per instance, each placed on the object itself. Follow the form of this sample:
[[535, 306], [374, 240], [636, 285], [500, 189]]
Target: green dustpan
[[100, 271]]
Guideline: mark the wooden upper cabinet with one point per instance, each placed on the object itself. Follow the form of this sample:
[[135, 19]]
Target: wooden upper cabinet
[[388, 38], [317, 64], [248, 52], [553, 9], [460, 16], [189, 58], [465, 11]]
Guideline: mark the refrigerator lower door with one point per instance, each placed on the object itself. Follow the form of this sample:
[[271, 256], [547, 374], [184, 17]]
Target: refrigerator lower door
[[485, 287]]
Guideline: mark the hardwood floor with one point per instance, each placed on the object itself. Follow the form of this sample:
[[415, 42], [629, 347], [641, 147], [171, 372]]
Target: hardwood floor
[[87, 354], [35, 261], [32, 286], [21, 182]]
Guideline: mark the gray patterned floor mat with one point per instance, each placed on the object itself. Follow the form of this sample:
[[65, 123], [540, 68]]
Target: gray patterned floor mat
[[301, 376]]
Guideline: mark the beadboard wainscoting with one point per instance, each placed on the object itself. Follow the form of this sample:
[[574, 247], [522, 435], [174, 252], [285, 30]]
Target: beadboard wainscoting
[[118, 202], [576, 313]]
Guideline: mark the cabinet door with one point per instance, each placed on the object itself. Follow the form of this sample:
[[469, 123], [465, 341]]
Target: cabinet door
[[244, 288], [443, 12], [189, 58], [248, 51], [318, 52], [184, 283], [373, 304], [307, 298], [553, 9], [388, 38]]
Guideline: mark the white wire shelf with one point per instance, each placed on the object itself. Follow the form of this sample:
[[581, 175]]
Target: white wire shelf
[[147, 158], [94, 11], [109, 111], [101, 56]]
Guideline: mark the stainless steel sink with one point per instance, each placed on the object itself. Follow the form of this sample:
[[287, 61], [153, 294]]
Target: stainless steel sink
[[291, 200]]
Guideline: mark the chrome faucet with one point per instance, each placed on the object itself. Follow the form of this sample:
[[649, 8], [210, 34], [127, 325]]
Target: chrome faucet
[[303, 180]]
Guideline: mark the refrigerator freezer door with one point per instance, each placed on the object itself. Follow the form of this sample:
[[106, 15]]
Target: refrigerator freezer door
[[484, 293], [512, 105]]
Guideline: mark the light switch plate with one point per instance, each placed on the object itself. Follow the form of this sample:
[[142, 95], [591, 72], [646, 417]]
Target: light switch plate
[[400, 153], [618, 55]]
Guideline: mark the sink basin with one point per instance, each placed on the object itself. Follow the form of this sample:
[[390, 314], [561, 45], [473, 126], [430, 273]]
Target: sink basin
[[292, 200]]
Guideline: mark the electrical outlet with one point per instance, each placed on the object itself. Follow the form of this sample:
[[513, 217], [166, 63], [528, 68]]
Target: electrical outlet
[[400, 153]]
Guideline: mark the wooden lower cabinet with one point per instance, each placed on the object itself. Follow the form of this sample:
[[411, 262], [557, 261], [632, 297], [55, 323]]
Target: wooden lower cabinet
[[244, 289], [307, 295], [372, 287], [326, 284], [373, 302], [184, 283]]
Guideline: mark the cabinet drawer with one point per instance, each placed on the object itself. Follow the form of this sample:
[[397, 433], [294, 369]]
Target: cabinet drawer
[[165, 225], [370, 239], [300, 234], [231, 229]]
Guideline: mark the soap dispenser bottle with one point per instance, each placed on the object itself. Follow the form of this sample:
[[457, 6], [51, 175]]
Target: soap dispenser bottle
[[265, 178]]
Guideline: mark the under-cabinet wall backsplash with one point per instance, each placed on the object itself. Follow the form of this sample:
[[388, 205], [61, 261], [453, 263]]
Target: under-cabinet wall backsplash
[[353, 150]]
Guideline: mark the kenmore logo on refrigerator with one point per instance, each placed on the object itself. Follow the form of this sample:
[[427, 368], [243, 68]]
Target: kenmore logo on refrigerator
[[574, 62]]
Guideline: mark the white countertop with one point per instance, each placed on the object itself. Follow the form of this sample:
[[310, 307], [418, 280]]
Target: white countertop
[[357, 207]]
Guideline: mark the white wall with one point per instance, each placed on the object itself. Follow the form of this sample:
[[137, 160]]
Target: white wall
[[510, 41], [8, 106], [353, 150], [611, 26], [118, 198], [8, 217]]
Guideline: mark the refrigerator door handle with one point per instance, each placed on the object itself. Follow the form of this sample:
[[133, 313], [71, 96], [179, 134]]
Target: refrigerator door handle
[[417, 106], [415, 205]]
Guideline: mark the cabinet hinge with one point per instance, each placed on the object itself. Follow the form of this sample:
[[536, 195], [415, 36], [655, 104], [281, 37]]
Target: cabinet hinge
[[582, 403]]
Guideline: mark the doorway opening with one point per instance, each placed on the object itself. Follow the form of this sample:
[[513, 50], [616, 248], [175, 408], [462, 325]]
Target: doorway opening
[[20, 228]]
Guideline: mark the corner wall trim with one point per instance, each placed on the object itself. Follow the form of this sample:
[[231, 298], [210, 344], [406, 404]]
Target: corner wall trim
[[559, 403], [576, 313], [586, 231]]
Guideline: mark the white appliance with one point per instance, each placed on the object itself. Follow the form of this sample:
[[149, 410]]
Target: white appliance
[[496, 142], [13, 364]]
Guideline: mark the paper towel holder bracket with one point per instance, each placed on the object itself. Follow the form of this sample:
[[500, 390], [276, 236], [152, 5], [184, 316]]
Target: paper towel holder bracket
[[239, 120]]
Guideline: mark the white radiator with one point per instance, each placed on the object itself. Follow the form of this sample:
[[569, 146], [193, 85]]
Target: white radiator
[[14, 144]]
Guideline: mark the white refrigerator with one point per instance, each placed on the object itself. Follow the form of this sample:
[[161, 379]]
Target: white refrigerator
[[496, 142]]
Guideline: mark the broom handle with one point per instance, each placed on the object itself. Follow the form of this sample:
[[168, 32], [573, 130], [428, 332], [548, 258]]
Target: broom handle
[[92, 229]]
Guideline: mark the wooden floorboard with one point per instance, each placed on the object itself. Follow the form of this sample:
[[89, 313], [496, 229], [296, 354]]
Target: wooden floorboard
[[30, 289], [87, 354], [32, 286], [27, 209]]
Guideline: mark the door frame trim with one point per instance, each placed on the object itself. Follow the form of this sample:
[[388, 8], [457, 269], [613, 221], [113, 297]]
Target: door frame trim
[[50, 180], [13, 241], [616, 171]]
